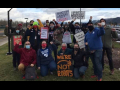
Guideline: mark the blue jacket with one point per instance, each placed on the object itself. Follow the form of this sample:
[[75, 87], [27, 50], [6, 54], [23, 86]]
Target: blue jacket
[[31, 33], [44, 56], [94, 38]]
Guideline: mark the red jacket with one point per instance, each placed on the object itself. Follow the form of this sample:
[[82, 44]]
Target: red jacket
[[27, 56]]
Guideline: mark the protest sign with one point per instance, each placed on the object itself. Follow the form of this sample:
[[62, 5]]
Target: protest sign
[[44, 33], [78, 15], [67, 38], [80, 38], [62, 16], [64, 66], [17, 37]]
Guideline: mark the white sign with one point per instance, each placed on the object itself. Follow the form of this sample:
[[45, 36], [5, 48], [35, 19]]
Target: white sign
[[63, 16], [67, 38], [44, 33], [77, 14], [80, 38]]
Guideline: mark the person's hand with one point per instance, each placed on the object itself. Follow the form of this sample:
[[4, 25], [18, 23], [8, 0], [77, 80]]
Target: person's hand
[[74, 19], [7, 26], [38, 68], [99, 24], [32, 65], [18, 41], [51, 42], [54, 20], [113, 29], [86, 43], [90, 17], [38, 19], [61, 53]]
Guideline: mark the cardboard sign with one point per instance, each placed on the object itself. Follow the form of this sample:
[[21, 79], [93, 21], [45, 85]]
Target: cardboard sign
[[17, 37], [67, 38], [44, 33], [78, 15], [64, 66], [63, 16], [80, 38]]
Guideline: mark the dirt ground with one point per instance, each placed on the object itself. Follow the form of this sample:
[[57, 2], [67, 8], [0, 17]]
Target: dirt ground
[[115, 57]]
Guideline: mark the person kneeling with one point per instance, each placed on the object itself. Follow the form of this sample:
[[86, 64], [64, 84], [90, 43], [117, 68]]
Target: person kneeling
[[80, 65], [28, 56], [45, 60]]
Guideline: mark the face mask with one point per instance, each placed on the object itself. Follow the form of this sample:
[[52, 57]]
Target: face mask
[[35, 27], [90, 28], [51, 26], [63, 48], [47, 24], [31, 24], [77, 27], [44, 45], [103, 23], [76, 49], [17, 31], [27, 46]]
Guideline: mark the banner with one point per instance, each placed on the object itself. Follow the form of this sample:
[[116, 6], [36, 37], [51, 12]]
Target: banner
[[67, 38], [77, 14], [63, 16], [44, 33], [64, 66], [17, 37], [80, 38]]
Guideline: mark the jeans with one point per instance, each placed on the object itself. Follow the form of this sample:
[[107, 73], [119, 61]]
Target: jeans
[[44, 68], [79, 71], [96, 58], [109, 56], [16, 58]]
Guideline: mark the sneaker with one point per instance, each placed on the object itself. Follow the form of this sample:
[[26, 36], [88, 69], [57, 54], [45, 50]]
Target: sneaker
[[93, 76], [100, 79], [23, 76], [15, 69], [111, 72]]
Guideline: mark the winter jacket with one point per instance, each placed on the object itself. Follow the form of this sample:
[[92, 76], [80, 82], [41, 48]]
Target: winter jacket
[[94, 38], [27, 56], [22, 33], [107, 37], [67, 51], [79, 58], [44, 56]]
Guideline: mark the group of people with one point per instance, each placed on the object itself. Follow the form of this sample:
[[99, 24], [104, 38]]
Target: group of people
[[38, 52]]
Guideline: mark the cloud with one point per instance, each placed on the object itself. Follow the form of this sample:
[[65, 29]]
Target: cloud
[[49, 13]]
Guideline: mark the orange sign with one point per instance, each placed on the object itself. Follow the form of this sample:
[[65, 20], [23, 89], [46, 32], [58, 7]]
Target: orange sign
[[64, 66]]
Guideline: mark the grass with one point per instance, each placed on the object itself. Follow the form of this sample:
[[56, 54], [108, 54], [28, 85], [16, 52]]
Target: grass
[[8, 74]]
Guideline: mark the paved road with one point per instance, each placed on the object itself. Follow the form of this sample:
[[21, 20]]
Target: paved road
[[3, 41]]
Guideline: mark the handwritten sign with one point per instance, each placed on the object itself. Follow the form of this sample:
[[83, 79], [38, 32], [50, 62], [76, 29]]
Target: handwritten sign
[[62, 16], [78, 15], [17, 37], [80, 38], [44, 33], [67, 38], [64, 66]]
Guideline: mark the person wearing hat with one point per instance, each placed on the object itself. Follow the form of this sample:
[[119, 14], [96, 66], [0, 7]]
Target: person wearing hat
[[107, 44], [18, 31], [74, 29], [31, 24], [52, 27], [93, 38], [34, 36]]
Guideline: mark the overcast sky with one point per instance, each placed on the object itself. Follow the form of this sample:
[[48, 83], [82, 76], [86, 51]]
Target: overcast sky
[[49, 13]]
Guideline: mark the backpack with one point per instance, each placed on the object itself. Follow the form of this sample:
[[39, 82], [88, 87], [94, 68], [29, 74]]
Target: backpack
[[30, 73]]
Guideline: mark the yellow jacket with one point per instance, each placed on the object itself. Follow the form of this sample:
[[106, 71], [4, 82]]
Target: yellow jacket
[[39, 26]]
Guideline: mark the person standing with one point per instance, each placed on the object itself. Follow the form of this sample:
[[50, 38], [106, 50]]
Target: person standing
[[107, 44], [93, 38]]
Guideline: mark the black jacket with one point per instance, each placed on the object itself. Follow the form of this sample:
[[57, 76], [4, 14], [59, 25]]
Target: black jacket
[[79, 58]]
